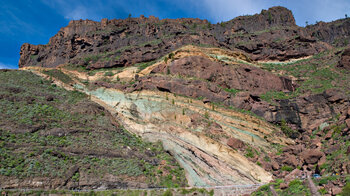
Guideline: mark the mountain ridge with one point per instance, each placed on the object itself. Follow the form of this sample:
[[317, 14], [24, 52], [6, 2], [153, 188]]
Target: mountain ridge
[[249, 100], [151, 38]]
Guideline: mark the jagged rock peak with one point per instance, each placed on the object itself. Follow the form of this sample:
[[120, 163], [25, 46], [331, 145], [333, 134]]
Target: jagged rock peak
[[274, 16]]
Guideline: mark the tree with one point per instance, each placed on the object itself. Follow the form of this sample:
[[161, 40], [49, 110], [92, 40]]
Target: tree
[[307, 23], [346, 16]]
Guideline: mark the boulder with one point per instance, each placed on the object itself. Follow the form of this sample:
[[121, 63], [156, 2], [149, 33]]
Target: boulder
[[336, 190], [290, 160], [328, 135], [235, 143], [332, 149], [345, 59], [294, 149], [311, 156], [283, 186], [296, 173], [275, 165], [347, 122]]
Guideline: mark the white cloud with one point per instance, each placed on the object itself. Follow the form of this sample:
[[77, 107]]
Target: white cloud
[[223, 10], [74, 10], [6, 66], [328, 10], [77, 13]]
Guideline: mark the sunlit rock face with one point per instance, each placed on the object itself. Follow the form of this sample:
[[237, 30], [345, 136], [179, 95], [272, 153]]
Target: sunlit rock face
[[186, 129]]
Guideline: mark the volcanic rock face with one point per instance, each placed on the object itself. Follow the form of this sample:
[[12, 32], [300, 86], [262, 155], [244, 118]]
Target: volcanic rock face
[[272, 34], [336, 32], [274, 17], [242, 77], [192, 98], [345, 59]]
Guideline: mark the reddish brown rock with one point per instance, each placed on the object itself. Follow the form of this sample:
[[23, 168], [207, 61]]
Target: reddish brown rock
[[347, 121], [316, 143], [328, 135], [345, 59], [275, 165], [296, 173], [242, 77], [332, 149], [332, 31], [290, 160], [322, 160], [336, 190], [311, 156], [293, 149], [83, 41], [283, 186], [235, 143]]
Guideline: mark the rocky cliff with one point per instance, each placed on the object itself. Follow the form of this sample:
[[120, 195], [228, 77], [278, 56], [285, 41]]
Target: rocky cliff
[[243, 101], [272, 34]]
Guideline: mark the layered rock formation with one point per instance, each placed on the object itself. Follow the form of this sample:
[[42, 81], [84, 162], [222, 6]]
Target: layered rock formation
[[187, 83]]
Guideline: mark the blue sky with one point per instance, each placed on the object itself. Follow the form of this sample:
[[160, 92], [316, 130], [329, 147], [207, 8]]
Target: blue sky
[[35, 21]]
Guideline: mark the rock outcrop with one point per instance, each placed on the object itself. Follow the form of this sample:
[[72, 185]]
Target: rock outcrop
[[270, 35], [345, 59], [161, 86], [336, 33]]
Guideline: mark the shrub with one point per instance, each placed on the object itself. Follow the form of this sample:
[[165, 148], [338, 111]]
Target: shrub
[[287, 130], [232, 91], [286, 168], [167, 70], [109, 73], [346, 190], [249, 153], [168, 193], [171, 56], [58, 74]]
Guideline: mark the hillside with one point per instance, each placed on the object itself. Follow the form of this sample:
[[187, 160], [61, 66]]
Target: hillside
[[250, 101], [52, 138]]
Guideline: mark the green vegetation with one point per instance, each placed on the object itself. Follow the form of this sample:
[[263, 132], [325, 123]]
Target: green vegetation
[[232, 91], [346, 190], [287, 130], [34, 57], [93, 58], [270, 95], [109, 73], [315, 74], [249, 152], [286, 168], [142, 66], [121, 192], [58, 74], [45, 131], [263, 191], [295, 187]]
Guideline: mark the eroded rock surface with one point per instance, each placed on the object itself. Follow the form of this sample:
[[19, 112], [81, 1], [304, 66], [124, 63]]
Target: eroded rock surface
[[270, 35]]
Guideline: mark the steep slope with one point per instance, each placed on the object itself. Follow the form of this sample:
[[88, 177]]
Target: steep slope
[[201, 135], [149, 101], [209, 92], [52, 138]]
